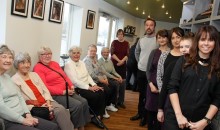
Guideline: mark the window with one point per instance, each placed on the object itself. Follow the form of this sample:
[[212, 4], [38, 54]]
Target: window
[[106, 31], [71, 31]]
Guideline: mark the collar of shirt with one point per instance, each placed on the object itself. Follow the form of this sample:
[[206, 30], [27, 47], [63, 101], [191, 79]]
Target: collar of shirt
[[106, 60]]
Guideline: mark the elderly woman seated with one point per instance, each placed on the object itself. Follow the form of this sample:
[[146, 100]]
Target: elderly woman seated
[[113, 76], [98, 74], [36, 93], [56, 81], [85, 85], [13, 109]]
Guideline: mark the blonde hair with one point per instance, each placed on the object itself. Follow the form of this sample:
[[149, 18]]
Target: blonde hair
[[5, 50], [43, 50]]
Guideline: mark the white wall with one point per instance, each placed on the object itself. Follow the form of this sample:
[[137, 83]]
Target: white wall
[[28, 34]]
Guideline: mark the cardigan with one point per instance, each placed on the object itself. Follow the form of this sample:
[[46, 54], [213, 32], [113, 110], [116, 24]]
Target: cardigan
[[53, 81], [94, 69], [78, 74], [12, 104], [109, 67], [26, 92]]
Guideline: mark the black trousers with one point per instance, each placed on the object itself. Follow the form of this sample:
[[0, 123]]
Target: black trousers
[[96, 100], [152, 122], [142, 86], [108, 91], [130, 71]]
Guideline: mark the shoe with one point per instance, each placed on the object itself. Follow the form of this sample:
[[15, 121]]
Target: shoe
[[111, 108], [121, 105], [106, 115], [97, 122], [143, 122], [136, 117]]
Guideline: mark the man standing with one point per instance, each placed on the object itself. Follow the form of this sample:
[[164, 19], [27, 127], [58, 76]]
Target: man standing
[[145, 45]]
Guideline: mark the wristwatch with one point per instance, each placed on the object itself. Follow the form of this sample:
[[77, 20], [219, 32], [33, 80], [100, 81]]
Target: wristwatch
[[209, 121]]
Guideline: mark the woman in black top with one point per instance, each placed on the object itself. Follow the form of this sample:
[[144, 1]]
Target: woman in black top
[[176, 35], [194, 86]]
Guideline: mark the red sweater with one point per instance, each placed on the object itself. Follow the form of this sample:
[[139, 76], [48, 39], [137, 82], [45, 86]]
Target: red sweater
[[54, 82]]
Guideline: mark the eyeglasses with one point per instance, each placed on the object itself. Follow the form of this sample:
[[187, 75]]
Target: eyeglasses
[[46, 54]]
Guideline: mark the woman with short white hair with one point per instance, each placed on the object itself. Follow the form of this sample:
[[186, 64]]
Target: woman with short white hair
[[85, 85], [36, 93]]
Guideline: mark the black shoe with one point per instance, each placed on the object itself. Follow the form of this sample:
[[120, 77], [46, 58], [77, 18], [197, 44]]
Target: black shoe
[[121, 105], [136, 117], [143, 122], [97, 122]]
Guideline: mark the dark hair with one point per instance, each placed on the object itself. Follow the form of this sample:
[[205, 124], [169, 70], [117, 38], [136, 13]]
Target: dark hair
[[193, 57], [120, 31], [164, 33], [179, 31], [150, 19]]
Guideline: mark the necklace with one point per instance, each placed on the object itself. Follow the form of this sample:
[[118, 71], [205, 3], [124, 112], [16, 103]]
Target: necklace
[[204, 62]]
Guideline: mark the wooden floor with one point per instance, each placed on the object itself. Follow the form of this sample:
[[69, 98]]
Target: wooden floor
[[121, 120]]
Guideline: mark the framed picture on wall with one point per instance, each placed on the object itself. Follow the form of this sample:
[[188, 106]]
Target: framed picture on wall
[[38, 8], [19, 7], [56, 11], [90, 19]]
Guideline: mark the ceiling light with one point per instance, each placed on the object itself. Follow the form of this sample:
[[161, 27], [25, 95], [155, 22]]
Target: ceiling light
[[143, 12], [166, 13], [163, 6], [148, 16], [128, 2], [137, 8], [170, 17]]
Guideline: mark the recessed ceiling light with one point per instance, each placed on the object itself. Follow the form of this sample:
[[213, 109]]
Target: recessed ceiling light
[[170, 17], [128, 2], [137, 8], [163, 6], [143, 12], [148, 16], [166, 13]]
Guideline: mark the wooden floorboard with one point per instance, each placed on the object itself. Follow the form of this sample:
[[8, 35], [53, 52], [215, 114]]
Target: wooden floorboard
[[121, 120]]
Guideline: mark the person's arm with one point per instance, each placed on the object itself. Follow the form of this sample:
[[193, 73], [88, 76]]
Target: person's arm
[[172, 88], [137, 51], [114, 71], [112, 50], [149, 64], [91, 71]]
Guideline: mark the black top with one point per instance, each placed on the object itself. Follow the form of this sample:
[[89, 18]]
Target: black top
[[196, 92], [168, 68], [132, 62]]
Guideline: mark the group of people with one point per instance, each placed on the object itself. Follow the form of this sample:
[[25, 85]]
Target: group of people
[[91, 85], [178, 82]]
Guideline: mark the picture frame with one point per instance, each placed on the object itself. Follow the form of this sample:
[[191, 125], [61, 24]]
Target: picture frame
[[38, 9], [19, 7], [56, 11], [90, 19]]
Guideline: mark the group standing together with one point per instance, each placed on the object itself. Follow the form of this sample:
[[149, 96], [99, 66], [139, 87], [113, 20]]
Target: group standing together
[[177, 76]]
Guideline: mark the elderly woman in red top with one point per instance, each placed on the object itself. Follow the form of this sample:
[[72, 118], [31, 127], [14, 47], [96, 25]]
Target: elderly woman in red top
[[55, 80]]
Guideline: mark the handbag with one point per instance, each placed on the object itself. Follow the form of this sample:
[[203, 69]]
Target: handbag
[[42, 112]]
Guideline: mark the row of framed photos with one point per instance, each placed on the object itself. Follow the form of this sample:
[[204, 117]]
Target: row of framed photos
[[20, 8]]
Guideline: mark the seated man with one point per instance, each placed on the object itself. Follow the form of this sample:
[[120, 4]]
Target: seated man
[[113, 76]]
